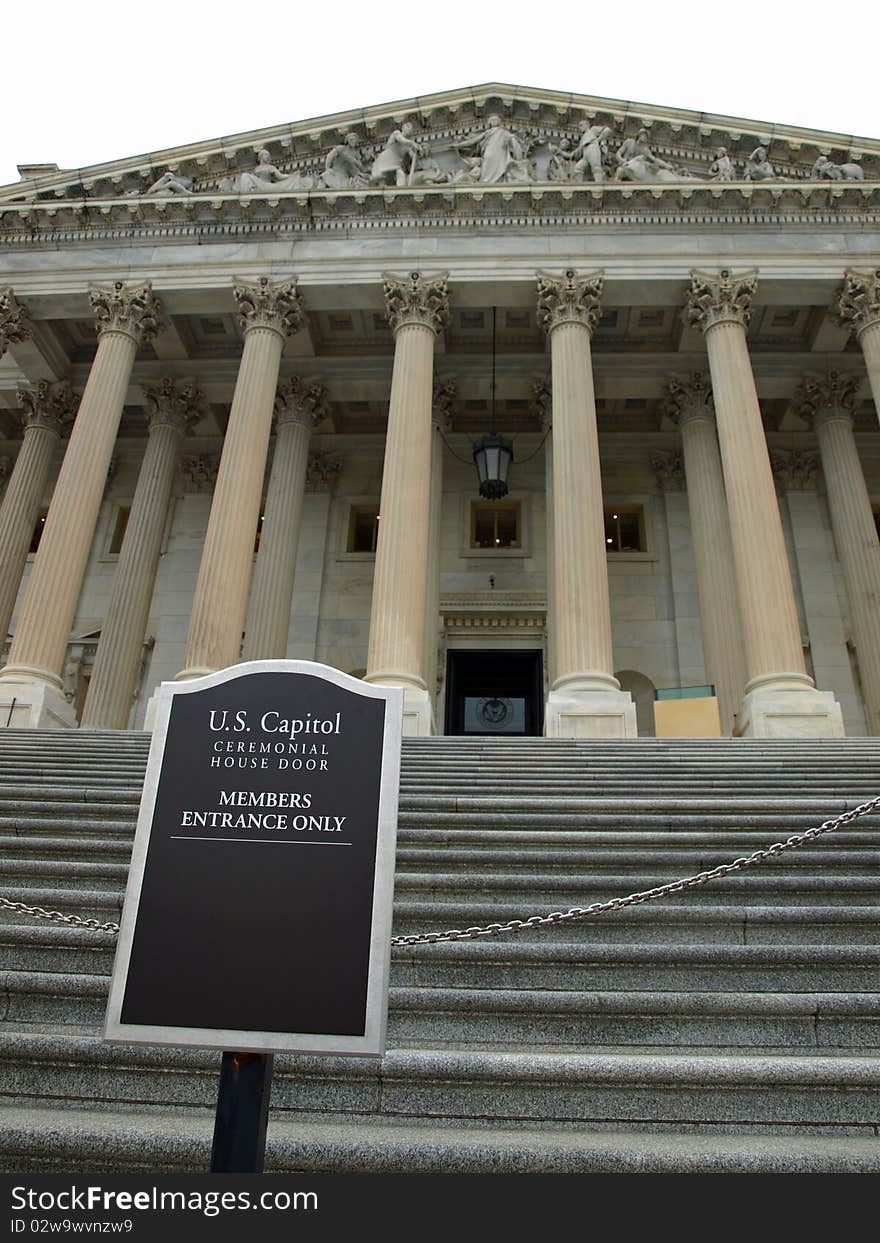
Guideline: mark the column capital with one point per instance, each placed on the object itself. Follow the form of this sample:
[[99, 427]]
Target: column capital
[[858, 301], [129, 309], [668, 466], [174, 403], [200, 472], [794, 469], [819, 398], [269, 304], [300, 401], [542, 403], [14, 323], [688, 398], [443, 403], [571, 299], [415, 300], [322, 471], [717, 299], [47, 405]]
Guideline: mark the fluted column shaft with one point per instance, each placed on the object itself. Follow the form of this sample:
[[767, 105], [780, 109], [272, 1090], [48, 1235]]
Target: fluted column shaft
[[432, 587], [21, 505], [858, 307], [720, 627], [125, 319], [582, 650], [397, 619], [828, 403], [114, 677], [417, 311], [771, 631], [272, 588], [269, 313]]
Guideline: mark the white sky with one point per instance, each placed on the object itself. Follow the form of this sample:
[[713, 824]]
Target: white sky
[[83, 84]]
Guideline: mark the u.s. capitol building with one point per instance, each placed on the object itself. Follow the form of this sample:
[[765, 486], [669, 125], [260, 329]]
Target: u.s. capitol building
[[244, 383]]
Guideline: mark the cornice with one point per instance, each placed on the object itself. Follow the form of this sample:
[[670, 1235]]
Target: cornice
[[442, 207]]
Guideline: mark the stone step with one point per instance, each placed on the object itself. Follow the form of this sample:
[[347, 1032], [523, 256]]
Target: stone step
[[498, 1017], [60, 1140], [763, 1091], [510, 962]]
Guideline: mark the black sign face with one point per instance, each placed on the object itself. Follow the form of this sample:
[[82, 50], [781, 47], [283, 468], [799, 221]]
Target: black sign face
[[259, 903]]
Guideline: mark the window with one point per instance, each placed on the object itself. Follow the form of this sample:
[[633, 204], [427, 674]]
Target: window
[[363, 528], [38, 531], [624, 528], [118, 535], [495, 524]]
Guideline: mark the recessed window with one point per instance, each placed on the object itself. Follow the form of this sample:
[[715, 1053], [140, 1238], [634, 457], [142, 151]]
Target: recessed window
[[119, 526], [495, 524], [624, 528], [38, 531], [363, 528]]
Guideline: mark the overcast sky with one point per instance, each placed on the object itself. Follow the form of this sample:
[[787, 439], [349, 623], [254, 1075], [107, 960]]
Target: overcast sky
[[83, 84]]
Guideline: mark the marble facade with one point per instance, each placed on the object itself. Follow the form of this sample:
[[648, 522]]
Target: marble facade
[[236, 347]]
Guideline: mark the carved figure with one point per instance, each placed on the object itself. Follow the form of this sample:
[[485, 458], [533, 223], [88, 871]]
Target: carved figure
[[824, 170], [344, 167], [758, 168], [591, 152], [722, 167], [559, 167], [429, 173], [397, 163], [503, 156], [265, 176], [637, 162], [171, 183], [471, 174]]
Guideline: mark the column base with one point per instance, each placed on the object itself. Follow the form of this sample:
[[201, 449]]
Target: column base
[[775, 713], [590, 714], [29, 703]]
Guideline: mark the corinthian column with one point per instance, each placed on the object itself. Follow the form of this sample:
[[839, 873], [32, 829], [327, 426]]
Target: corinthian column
[[780, 699], [858, 308], [417, 311], [172, 408], [298, 409], [687, 404], [46, 412], [445, 394], [828, 403], [585, 698], [269, 313], [126, 317]]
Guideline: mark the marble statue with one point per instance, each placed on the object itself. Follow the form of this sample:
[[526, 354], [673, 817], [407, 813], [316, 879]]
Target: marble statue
[[265, 176], [722, 167], [559, 166], [637, 162], [344, 167], [503, 155], [171, 183], [591, 152], [471, 174], [758, 168], [825, 170], [397, 163]]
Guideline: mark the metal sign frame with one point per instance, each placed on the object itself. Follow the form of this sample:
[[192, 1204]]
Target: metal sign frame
[[372, 1042]]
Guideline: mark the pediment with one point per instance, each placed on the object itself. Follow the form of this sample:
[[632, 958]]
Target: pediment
[[546, 129]]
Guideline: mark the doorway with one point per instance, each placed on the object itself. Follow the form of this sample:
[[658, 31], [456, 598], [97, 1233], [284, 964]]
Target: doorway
[[494, 692]]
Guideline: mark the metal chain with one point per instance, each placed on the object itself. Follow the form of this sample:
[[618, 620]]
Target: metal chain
[[646, 895], [538, 921]]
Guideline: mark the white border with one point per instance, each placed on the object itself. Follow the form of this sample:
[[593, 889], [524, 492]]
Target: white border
[[372, 1043]]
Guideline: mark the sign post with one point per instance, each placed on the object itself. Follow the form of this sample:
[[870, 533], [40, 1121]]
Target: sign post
[[257, 917]]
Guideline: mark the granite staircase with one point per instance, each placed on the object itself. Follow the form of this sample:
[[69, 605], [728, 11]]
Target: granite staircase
[[725, 1029]]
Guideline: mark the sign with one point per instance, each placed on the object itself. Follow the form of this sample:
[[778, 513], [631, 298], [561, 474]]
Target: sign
[[258, 910]]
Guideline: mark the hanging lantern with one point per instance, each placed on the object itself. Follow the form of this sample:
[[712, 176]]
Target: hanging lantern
[[493, 454], [492, 458]]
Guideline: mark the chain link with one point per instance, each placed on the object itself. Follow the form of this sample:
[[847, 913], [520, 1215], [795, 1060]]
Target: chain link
[[554, 917]]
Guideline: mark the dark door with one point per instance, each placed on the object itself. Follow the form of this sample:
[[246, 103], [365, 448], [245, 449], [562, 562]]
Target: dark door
[[494, 693]]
